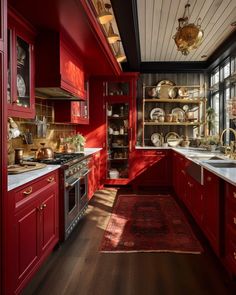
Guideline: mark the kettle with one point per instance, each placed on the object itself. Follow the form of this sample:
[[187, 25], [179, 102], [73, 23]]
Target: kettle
[[43, 152]]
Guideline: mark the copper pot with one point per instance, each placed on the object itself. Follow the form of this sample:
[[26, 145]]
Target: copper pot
[[43, 152]]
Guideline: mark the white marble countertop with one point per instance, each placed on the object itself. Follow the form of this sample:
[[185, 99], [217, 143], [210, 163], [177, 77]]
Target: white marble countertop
[[90, 151], [228, 174], [17, 180]]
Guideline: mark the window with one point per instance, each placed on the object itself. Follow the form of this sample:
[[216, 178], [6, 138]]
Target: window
[[222, 89]]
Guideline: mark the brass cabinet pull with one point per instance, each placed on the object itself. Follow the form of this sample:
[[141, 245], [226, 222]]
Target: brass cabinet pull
[[28, 191], [234, 194], [42, 206], [50, 179], [190, 184], [234, 220], [183, 171], [209, 178], [235, 255]]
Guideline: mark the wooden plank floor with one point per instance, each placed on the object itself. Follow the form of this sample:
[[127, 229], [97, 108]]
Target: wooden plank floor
[[77, 267]]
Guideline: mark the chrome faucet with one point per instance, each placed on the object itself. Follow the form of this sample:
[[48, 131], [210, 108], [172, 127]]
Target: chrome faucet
[[229, 149]]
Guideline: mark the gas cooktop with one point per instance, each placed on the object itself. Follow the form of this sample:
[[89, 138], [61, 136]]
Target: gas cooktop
[[61, 158]]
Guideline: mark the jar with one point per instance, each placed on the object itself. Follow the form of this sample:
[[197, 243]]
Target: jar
[[168, 118], [122, 131], [161, 118], [109, 111], [19, 156]]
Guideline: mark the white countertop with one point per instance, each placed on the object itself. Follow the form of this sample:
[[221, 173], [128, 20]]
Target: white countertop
[[90, 151], [228, 174], [17, 180]]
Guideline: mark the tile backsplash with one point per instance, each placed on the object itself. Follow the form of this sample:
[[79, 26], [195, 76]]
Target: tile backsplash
[[51, 136]]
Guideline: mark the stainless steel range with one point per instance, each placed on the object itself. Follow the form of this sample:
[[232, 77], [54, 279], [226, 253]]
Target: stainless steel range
[[73, 188]]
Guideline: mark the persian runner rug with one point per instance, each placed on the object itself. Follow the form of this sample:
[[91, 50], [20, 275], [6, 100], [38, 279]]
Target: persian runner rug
[[148, 223]]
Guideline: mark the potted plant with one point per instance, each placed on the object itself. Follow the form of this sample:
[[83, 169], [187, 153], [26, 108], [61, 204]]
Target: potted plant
[[212, 142], [78, 141], [211, 117]]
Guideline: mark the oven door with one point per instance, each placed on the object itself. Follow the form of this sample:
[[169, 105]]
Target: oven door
[[83, 189], [71, 201]]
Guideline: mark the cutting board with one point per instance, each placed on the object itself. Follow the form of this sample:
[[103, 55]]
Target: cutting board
[[25, 167]]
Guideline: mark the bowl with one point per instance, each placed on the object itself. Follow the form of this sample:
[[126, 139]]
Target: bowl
[[113, 174], [173, 142]]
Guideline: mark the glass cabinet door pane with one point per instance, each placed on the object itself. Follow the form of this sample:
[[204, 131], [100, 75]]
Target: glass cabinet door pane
[[118, 88], [23, 72], [118, 140], [9, 66]]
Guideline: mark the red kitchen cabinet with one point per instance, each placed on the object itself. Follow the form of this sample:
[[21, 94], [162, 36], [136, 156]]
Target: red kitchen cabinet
[[73, 112], [32, 229], [21, 67], [60, 72], [119, 100], [3, 9], [230, 229], [151, 168], [211, 215], [94, 175]]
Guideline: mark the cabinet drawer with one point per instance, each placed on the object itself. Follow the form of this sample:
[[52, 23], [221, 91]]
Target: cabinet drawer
[[231, 192], [28, 191]]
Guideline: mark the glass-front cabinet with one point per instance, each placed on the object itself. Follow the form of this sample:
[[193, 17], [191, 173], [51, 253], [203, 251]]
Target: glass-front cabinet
[[118, 140], [20, 87]]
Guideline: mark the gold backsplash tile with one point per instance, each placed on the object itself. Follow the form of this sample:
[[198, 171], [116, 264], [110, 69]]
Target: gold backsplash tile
[[54, 132]]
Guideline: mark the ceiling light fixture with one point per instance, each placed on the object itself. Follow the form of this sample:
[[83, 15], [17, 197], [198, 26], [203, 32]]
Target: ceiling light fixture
[[188, 36], [104, 15], [120, 56], [111, 35]]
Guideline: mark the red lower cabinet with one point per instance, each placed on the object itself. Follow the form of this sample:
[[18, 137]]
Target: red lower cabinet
[[230, 228], [151, 168], [211, 215], [32, 230], [94, 175]]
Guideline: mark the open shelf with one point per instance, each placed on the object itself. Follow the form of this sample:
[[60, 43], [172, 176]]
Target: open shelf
[[175, 100], [172, 123]]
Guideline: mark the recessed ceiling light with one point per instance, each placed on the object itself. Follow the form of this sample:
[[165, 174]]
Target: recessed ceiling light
[[204, 56], [233, 24]]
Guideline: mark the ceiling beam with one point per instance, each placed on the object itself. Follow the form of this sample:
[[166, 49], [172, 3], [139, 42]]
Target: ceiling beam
[[127, 21], [172, 67]]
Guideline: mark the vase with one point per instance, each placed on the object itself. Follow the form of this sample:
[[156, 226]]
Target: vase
[[77, 148]]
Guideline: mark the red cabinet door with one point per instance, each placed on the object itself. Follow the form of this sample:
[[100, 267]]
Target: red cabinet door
[[27, 248], [151, 168], [48, 219], [211, 216]]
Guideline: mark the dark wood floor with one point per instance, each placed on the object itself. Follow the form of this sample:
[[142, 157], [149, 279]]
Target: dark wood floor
[[77, 267]]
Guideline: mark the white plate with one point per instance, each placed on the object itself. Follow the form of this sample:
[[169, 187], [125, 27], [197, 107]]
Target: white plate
[[163, 88], [21, 88], [156, 139], [156, 112], [180, 114]]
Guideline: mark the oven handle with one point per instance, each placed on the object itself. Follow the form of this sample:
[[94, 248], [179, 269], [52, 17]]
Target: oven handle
[[87, 172], [73, 183]]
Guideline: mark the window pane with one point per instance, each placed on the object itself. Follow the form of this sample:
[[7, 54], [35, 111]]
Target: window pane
[[216, 107], [227, 70]]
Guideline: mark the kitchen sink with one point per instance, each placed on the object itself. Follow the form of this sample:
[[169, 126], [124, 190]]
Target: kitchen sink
[[206, 157], [223, 165]]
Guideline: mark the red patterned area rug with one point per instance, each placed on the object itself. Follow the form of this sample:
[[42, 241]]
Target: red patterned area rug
[[148, 224]]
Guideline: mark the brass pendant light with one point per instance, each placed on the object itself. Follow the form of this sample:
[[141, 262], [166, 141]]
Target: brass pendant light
[[120, 56], [104, 15], [111, 35], [188, 36]]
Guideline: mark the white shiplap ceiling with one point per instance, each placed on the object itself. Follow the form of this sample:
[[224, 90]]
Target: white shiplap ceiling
[[158, 20]]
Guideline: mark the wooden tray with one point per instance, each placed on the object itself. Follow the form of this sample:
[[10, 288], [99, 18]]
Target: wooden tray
[[25, 167]]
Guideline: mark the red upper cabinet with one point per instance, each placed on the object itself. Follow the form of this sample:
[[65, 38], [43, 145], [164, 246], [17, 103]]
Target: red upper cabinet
[[20, 88], [60, 72], [2, 23]]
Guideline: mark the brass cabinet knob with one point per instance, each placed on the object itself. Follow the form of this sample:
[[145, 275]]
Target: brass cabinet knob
[[234, 220], [50, 179], [234, 255], [234, 194], [28, 191], [209, 178]]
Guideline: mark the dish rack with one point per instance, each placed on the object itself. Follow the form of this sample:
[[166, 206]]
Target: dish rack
[[177, 108]]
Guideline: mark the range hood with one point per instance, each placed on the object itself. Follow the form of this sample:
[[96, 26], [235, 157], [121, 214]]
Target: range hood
[[59, 68], [56, 93]]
